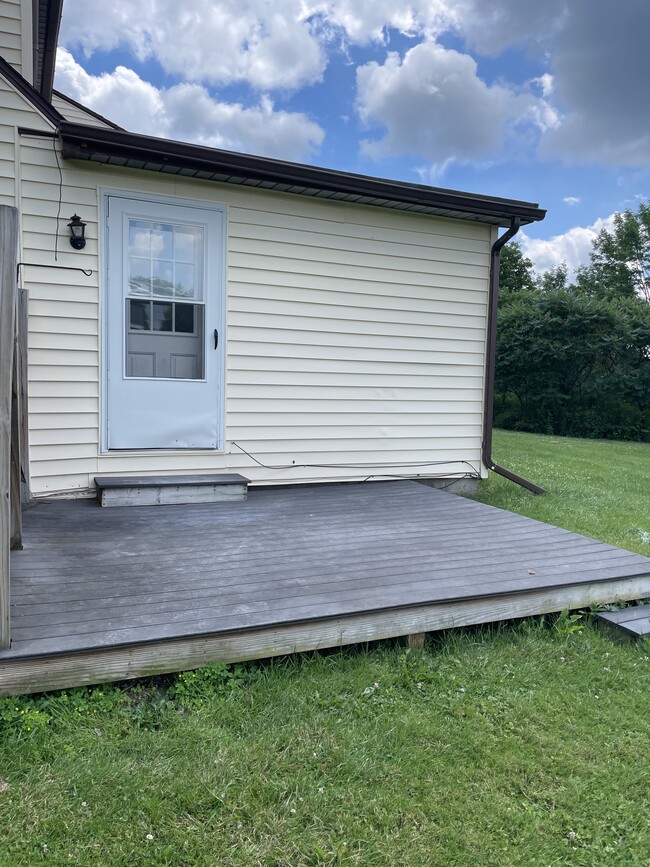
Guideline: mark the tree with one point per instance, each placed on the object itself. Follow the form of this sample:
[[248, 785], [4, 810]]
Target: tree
[[620, 259], [515, 274], [555, 278], [571, 364]]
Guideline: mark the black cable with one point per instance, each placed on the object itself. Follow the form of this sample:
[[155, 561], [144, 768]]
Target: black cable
[[474, 472], [58, 210]]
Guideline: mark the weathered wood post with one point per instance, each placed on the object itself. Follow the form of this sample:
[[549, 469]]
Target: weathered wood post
[[8, 260]]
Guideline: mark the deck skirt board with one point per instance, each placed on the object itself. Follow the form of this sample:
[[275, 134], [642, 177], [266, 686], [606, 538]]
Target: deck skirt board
[[91, 580]]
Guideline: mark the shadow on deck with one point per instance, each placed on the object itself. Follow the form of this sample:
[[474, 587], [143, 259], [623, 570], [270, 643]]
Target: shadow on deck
[[106, 594]]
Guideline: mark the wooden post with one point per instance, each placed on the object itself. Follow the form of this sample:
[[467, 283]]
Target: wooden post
[[8, 260]]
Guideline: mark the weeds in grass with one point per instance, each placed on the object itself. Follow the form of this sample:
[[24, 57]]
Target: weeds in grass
[[195, 688], [568, 623]]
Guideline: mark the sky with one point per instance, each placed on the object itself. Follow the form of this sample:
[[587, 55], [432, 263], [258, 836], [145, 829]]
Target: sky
[[545, 101]]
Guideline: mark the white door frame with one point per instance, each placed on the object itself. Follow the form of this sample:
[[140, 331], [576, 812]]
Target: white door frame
[[218, 288]]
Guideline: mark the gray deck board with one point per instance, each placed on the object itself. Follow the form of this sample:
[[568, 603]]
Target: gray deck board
[[633, 621], [90, 578]]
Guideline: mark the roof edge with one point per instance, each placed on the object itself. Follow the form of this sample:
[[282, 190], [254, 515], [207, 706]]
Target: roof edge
[[80, 105], [102, 145], [30, 93], [45, 45]]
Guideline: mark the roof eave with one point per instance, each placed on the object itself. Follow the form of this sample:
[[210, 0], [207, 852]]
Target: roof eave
[[82, 107], [48, 21], [29, 93], [154, 154]]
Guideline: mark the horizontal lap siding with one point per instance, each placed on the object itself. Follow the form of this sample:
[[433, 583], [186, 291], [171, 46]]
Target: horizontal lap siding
[[11, 46], [64, 348], [356, 336], [76, 114], [357, 339], [15, 111]]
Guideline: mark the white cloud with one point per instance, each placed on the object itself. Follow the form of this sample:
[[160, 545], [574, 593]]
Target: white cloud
[[254, 41], [601, 71], [363, 21], [122, 95], [490, 27], [433, 104], [598, 68], [588, 104], [572, 247], [545, 81], [188, 112], [572, 200]]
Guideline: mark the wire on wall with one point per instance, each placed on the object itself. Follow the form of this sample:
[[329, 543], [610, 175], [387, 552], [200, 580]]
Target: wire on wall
[[58, 210], [473, 472]]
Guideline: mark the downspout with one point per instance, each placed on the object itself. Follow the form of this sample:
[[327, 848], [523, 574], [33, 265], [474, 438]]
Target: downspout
[[490, 361]]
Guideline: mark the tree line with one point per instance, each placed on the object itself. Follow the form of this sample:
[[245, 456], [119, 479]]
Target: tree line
[[573, 356]]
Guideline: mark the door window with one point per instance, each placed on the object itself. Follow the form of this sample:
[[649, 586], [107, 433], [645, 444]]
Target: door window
[[165, 301]]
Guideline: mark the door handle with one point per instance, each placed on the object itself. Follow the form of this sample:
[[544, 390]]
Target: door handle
[[216, 338]]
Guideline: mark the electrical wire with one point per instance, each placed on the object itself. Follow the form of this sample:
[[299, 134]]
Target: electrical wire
[[58, 210], [474, 473]]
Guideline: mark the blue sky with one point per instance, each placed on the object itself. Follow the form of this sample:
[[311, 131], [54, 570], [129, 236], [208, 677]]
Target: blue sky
[[545, 102]]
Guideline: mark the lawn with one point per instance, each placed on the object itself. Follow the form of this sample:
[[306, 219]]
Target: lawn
[[517, 744], [594, 487]]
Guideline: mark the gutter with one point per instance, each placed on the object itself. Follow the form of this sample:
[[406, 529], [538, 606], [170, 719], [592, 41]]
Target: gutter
[[182, 159], [490, 362]]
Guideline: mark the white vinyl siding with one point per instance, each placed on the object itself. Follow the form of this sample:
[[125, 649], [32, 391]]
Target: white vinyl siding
[[355, 335], [76, 114], [11, 42], [15, 111]]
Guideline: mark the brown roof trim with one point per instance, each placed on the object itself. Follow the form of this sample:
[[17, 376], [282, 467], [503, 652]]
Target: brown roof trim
[[31, 94], [87, 110], [47, 20], [131, 150]]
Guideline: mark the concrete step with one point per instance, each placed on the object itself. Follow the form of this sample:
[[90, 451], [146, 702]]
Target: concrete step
[[170, 490]]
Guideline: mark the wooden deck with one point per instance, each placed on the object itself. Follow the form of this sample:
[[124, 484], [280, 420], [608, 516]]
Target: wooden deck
[[100, 594]]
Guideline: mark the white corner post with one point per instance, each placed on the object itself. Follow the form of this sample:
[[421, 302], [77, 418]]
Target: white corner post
[[8, 283]]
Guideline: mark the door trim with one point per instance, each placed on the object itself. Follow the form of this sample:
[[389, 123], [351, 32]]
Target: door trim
[[219, 307]]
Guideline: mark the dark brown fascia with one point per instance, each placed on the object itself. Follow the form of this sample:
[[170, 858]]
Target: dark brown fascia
[[45, 42], [102, 145], [30, 93]]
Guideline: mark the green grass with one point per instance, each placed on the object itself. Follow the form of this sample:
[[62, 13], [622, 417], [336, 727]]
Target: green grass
[[594, 487], [518, 744]]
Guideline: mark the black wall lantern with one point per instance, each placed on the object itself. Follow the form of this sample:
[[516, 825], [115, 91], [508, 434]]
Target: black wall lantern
[[77, 232]]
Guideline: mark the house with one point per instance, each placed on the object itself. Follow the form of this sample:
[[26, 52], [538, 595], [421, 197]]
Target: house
[[235, 314], [204, 316]]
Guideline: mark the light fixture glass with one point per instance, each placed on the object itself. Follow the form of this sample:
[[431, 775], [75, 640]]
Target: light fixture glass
[[77, 232]]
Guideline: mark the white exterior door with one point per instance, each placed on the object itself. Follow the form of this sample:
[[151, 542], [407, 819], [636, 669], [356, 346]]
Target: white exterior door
[[164, 347]]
